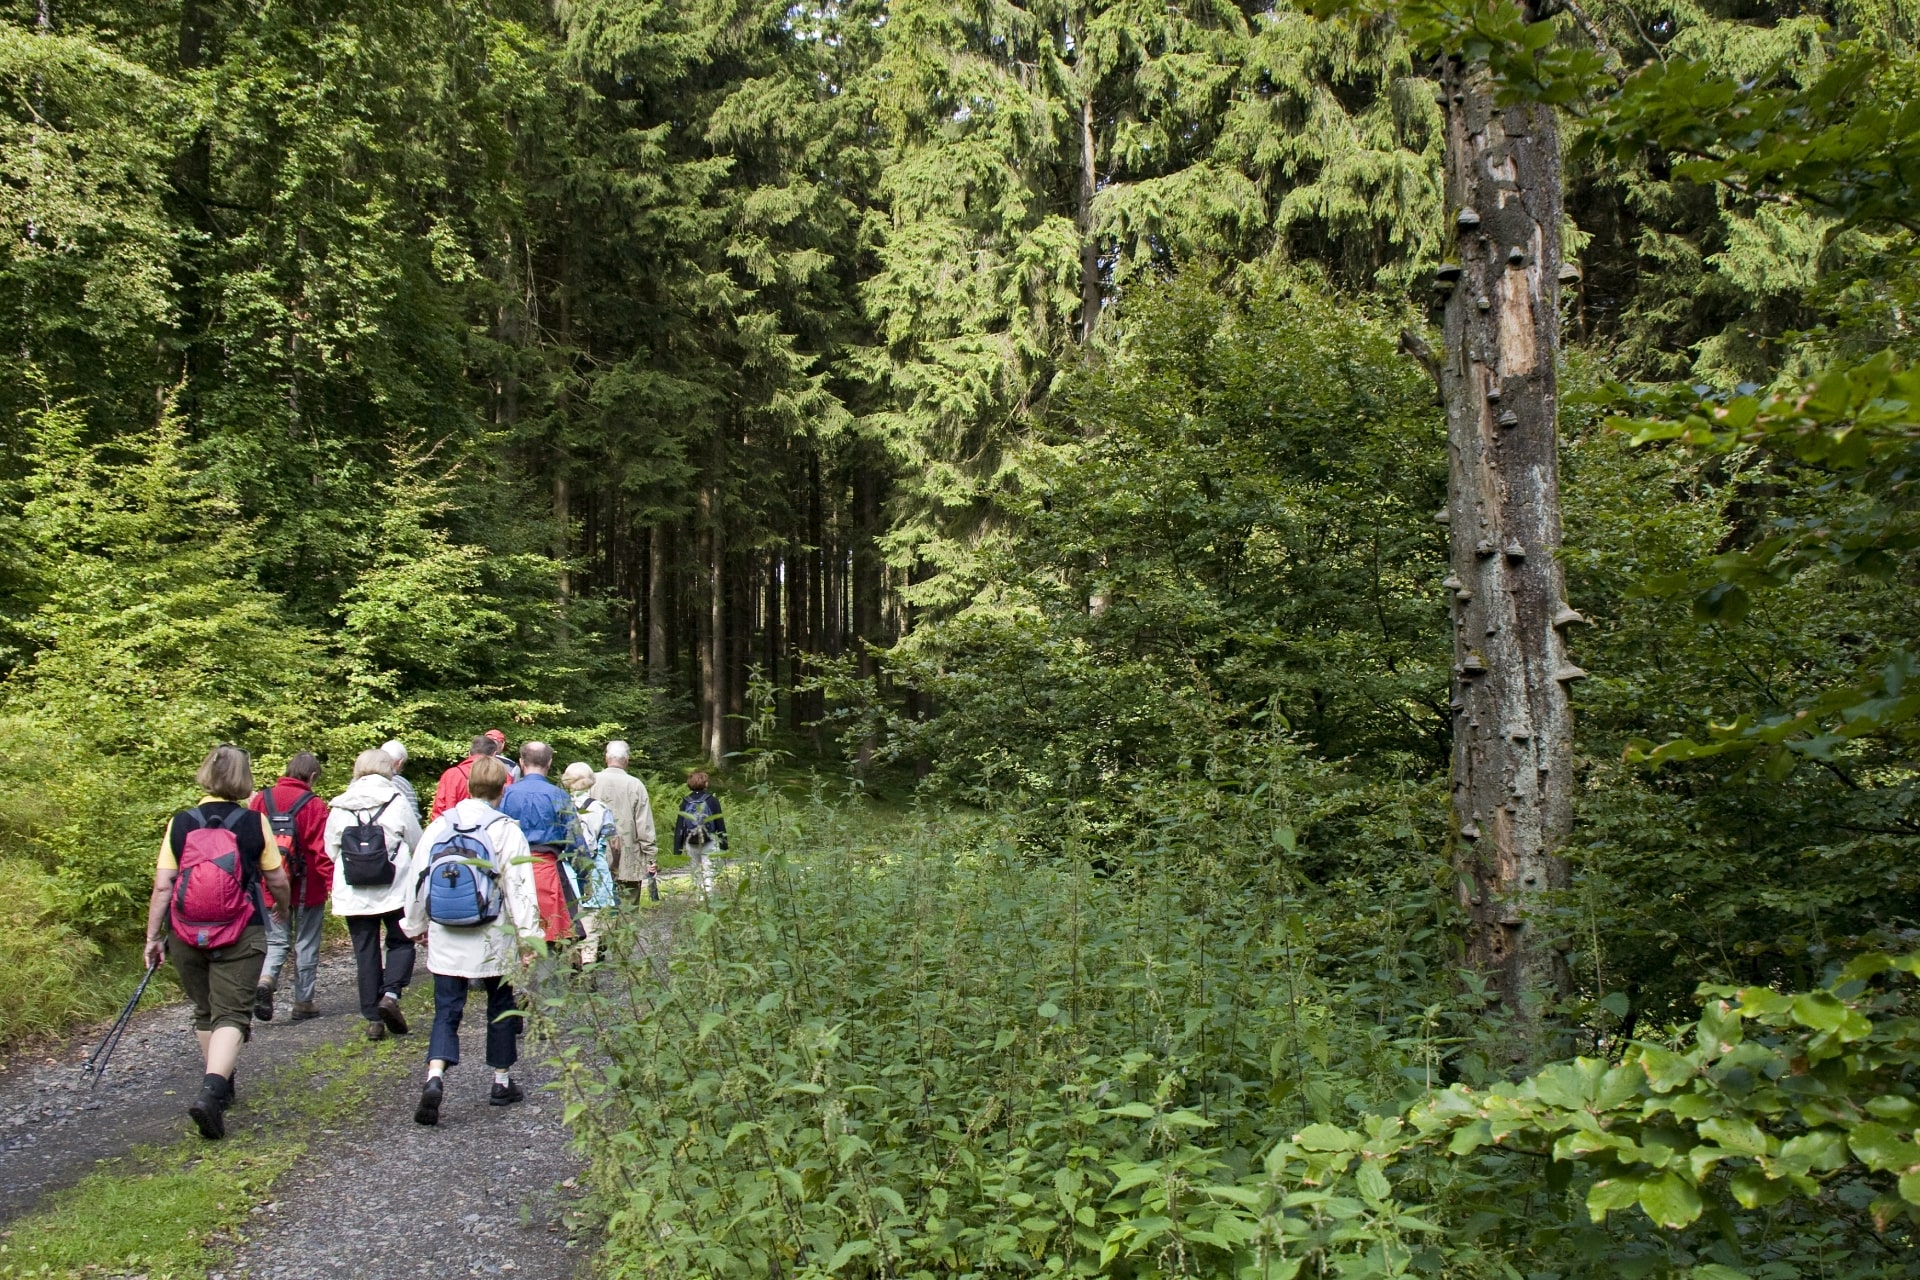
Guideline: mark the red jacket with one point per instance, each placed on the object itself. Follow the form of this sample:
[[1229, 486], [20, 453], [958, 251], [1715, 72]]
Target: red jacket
[[309, 837], [453, 788]]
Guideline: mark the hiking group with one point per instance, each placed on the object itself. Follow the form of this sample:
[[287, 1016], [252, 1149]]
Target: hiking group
[[509, 863]]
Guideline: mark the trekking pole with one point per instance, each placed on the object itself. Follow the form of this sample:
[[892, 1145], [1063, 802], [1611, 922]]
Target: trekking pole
[[97, 1064]]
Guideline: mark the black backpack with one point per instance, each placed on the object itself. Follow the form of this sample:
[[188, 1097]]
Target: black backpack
[[698, 815], [365, 861]]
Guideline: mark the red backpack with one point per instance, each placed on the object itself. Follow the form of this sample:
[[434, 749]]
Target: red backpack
[[211, 902]]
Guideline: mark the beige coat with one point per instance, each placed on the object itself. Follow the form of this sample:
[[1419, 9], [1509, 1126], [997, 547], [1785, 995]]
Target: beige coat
[[626, 796]]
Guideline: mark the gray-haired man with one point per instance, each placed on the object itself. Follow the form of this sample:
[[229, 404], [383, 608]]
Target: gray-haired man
[[626, 796], [394, 748]]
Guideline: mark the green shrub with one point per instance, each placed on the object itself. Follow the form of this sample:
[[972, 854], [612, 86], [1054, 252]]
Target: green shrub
[[915, 1053]]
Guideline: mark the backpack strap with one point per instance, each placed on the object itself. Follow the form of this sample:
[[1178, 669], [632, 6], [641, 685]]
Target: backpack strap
[[362, 813], [297, 805]]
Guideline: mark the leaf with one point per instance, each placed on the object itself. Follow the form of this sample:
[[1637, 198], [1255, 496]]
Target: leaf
[[848, 1252], [1134, 1110], [1609, 1194], [1670, 1200], [1373, 1182], [1326, 1137], [1741, 1136], [1666, 1070]]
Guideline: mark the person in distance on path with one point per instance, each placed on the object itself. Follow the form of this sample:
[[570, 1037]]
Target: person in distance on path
[[634, 845], [551, 825], [698, 830], [373, 838], [298, 819], [218, 867], [453, 783], [397, 752], [475, 905]]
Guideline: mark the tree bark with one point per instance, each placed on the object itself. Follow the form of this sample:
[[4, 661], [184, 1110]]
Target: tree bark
[[562, 535], [659, 602], [1089, 247], [1512, 753], [866, 564], [716, 693]]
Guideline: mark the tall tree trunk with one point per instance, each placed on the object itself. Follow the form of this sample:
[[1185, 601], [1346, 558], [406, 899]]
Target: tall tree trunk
[[772, 631], [716, 692], [738, 587], [816, 588], [562, 531], [659, 602], [1089, 246], [1512, 753], [796, 590], [866, 562], [193, 186]]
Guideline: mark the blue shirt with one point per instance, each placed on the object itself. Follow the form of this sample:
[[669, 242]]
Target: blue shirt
[[545, 813]]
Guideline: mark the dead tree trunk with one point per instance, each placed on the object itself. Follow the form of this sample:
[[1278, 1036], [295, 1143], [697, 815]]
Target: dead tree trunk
[[1512, 737]]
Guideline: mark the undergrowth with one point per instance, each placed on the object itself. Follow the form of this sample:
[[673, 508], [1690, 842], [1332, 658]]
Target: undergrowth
[[914, 1052]]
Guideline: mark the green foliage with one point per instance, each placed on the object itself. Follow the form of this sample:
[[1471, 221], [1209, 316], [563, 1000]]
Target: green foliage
[[152, 646], [1771, 1096], [908, 1051], [1234, 518]]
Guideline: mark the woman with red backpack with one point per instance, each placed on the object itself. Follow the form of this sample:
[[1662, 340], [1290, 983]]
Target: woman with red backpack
[[217, 867]]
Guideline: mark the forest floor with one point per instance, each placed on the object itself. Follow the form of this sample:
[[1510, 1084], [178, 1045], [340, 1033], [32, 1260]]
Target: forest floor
[[323, 1173]]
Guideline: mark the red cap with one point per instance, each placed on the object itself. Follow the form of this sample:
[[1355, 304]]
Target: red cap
[[496, 735]]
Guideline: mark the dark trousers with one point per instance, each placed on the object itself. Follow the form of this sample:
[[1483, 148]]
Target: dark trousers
[[378, 974], [450, 1002]]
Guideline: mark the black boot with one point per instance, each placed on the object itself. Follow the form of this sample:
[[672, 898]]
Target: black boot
[[209, 1110], [505, 1095], [428, 1112]]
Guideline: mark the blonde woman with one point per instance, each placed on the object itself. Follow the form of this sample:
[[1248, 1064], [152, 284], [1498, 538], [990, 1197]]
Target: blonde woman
[[217, 868]]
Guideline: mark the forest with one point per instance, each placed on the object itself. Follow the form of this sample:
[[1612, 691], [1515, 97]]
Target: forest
[[1313, 597]]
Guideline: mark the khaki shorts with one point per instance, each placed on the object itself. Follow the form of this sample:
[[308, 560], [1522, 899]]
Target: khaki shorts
[[220, 983]]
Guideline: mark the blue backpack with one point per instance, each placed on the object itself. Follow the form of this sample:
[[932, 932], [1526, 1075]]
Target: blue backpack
[[463, 885]]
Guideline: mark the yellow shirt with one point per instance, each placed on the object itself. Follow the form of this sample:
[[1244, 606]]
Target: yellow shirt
[[269, 853]]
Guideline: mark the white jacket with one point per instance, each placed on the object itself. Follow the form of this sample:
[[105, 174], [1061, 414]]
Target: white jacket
[[361, 800], [486, 950]]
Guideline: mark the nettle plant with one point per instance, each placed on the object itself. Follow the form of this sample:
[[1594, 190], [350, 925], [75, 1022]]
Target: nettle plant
[[913, 1054]]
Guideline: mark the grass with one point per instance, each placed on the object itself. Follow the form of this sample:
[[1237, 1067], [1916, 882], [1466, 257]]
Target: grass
[[169, 1213]]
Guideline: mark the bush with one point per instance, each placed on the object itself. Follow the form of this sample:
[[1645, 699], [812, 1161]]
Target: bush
[[913, 1053]]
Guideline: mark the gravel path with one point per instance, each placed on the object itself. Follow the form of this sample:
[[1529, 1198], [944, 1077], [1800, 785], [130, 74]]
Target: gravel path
[[53, 1126], [489, 1191], [485, 1192]]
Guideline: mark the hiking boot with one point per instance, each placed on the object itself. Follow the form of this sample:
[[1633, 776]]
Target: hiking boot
[[303, 1009], [263, 1002], [390, 1014], [505, 1095], [428, 1112], [209, 1112], [376, 1030]]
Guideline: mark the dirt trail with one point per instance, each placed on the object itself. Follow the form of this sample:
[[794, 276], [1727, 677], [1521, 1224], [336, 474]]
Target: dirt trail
[[53, 1127], [481, 1194]]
